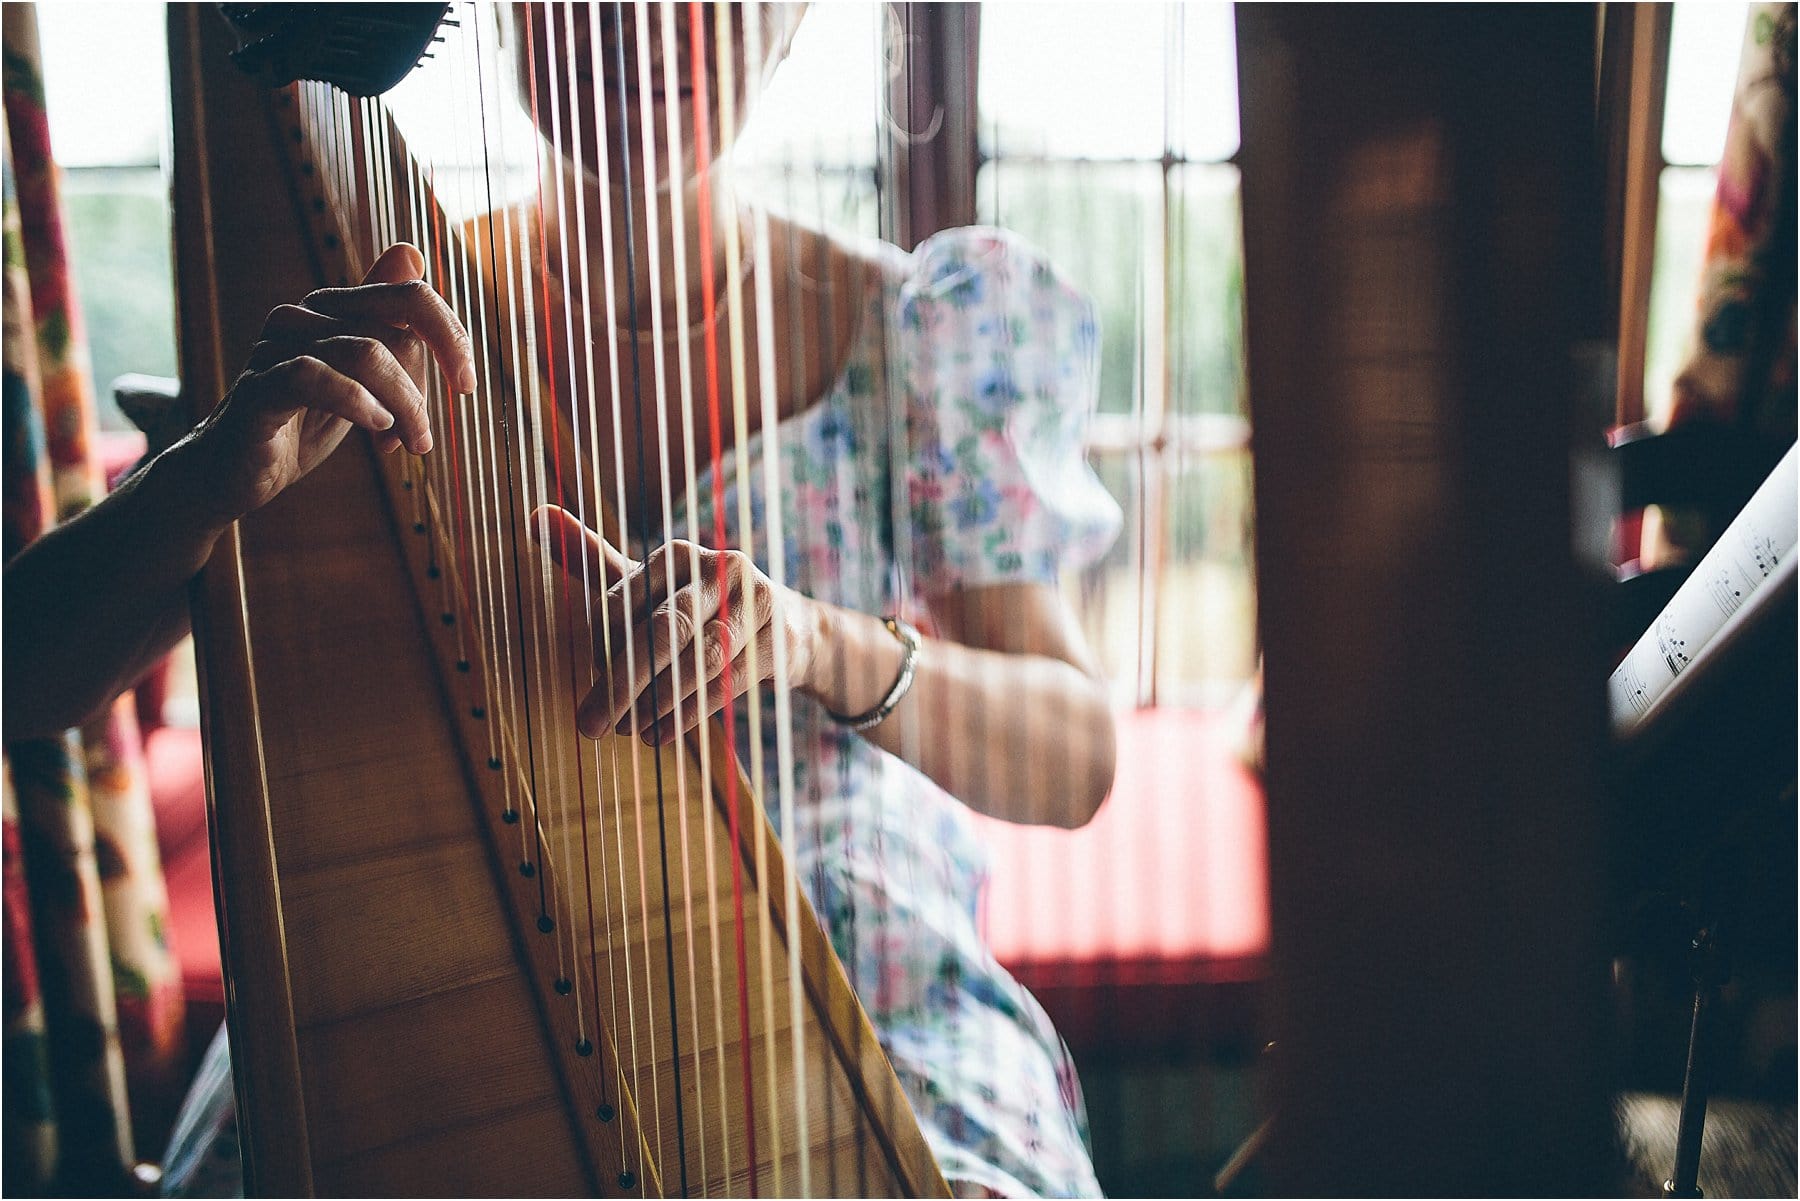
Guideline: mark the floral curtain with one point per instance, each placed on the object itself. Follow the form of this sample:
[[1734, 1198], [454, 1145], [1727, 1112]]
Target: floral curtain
[[1740, 364], [92, 989]]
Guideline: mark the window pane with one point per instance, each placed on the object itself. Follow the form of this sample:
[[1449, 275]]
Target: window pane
[[1206, 622], [105, 82], [1705, 44], [1684, 206], [1205, 83], [1073, 80], [837, 52], [1100, 224], [119, 248], [840, 199], [1207, 292]]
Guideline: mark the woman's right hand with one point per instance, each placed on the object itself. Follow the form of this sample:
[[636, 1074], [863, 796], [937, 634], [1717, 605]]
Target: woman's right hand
[[341, 357]]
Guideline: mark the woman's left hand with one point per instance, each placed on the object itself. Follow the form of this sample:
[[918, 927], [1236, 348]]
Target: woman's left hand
[[709, 618]]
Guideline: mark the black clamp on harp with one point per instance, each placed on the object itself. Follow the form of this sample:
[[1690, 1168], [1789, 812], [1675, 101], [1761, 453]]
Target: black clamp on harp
[[364, 49]]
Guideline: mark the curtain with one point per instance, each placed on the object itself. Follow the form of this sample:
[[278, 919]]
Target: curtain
[[93, 989], [1739, 367]]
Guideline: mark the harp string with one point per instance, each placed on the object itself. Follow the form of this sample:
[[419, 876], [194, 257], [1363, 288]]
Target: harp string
[[478, 416], [471, 601], [482, 417], [653, 180], [648, 184], [775, 547], [671, 59], [797, 350], [534, 484], [594, 587], [580, 501], [553, 734], [645, 994], [734, 284], [511, 489], [632, 266], [610, 638], [710, 301]]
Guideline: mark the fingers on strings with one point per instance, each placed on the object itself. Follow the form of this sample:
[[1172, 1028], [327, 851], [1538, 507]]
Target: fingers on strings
[[676, 621], [362, 354]]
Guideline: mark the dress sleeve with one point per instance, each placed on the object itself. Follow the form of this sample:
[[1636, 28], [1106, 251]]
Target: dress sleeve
[[1001, 359]]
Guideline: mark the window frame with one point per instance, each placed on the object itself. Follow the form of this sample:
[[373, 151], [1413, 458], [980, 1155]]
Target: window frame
[[935, 161]]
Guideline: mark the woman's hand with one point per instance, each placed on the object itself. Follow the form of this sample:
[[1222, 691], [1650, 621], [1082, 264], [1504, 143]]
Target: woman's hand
[[341, 357], [682, 595]]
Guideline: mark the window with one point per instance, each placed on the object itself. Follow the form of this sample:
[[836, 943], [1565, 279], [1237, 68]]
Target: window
[[105, 74], [1705, 44], [1107, 137], [820, 160]]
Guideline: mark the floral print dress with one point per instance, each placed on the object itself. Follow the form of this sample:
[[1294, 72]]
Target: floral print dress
[[947, 454]]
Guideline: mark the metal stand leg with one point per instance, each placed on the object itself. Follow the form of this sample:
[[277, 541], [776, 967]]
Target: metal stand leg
[[1709, 974]]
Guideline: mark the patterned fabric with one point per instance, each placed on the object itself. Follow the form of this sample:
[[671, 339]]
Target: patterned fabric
[[30, 1152], [948, 455], [99, 908], [1740, 364], [1743, 321]]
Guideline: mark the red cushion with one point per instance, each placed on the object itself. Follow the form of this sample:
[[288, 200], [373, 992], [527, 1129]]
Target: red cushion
[[118, 452], [178, 793], [1167, 886], [177, 789], [1170, 879]]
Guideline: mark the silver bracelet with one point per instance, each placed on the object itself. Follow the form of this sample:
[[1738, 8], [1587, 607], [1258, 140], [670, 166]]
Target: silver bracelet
[[909, 638]]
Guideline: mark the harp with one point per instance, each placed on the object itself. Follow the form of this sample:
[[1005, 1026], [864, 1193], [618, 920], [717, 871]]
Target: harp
[[441, 980]]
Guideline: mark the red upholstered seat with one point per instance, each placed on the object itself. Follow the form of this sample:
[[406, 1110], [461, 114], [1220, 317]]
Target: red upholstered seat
[[178, 791], [1162, 896], [1159, 905]]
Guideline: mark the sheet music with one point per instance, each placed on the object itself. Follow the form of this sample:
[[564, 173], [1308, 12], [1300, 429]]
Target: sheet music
[[1757, 541]]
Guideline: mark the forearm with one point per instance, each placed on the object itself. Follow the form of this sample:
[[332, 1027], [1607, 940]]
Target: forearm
[[93, 604], [1023, 737]]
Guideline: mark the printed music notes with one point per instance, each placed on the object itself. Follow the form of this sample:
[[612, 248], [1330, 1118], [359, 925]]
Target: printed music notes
[[1754, 545]]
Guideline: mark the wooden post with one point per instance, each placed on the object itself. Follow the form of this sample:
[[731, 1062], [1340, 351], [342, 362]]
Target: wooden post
[[932, 148], [1423, 270]]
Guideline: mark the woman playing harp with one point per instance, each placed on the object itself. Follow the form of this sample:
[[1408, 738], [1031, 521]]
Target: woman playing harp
[[919, 417]]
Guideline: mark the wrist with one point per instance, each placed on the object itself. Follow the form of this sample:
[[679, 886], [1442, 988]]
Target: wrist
[[180, 485], [818, 619]]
